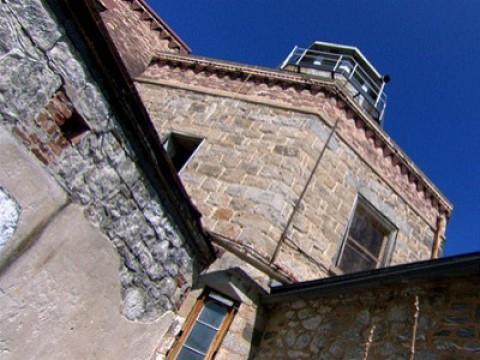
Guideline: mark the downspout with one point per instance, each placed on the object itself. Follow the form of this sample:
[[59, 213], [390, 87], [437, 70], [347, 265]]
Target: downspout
[[439, 236]]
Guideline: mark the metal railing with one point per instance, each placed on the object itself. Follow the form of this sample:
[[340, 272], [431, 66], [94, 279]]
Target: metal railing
[[365, 91]]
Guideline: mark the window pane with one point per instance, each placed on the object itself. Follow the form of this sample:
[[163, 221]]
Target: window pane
[[213, 313], [187, 354], [366, 230], [353, 259], [200, 337]]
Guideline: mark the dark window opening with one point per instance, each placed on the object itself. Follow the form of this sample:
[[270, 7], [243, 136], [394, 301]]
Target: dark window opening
[[101, 5], [180, 148], [366, 243], [74, 127]]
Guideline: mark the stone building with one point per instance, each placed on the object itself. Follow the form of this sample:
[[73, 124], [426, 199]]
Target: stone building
[[426, 310], [97, 230], [157, 204]]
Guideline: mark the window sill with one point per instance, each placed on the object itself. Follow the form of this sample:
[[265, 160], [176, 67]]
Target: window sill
[[335, 271]]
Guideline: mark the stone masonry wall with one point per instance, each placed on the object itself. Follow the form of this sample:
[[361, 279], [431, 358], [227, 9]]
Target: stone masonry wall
[[42, 83], [252, 167], [379, 324], [373, 145]]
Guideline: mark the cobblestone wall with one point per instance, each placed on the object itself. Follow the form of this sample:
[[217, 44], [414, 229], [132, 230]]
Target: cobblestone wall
[[42, 83], [255, 162], [379, 324]]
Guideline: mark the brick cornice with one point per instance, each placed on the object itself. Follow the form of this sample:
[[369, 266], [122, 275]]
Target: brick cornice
[[157, 24], [283, 81]]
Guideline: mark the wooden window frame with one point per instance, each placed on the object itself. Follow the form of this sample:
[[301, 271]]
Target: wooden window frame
[[387, 242], [190, 322]]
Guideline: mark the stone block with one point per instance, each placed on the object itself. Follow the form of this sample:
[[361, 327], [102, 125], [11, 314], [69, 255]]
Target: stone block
[[37, 21], [223, 214], [286, 150], [257, 222]]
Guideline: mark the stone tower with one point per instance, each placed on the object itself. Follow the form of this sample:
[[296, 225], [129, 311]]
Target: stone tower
[[188, 231], [291, 168]]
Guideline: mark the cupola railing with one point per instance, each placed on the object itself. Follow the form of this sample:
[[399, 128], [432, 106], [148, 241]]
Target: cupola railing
[[365, 91]]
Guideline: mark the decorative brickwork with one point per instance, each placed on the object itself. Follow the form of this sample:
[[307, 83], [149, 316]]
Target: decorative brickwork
[[320, 96], [138, 33], [51, 124]]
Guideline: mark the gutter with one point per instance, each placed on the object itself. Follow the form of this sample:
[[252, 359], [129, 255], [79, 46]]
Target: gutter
[[453, 266]]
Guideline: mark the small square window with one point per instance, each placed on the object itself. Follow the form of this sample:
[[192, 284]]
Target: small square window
[[367, 240], [204, 328], [74, 127], [180, 148]]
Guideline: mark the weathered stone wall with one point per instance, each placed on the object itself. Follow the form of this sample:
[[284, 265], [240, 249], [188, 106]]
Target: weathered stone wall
[[379, 324], [137, 35], [59, 282], [254, 164], [43, 83]]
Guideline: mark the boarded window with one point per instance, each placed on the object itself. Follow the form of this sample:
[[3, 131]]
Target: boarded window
[[366, 241], [204, 328], [180, 148]]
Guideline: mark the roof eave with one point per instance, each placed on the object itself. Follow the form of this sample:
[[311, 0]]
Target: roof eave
[[448, 267]]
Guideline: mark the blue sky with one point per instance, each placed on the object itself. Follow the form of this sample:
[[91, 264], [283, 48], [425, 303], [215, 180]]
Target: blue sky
[[431, 50]]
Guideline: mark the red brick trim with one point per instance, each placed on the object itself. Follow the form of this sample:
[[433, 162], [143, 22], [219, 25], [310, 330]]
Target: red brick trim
[[48, 141], [157, 24], [278, 85]]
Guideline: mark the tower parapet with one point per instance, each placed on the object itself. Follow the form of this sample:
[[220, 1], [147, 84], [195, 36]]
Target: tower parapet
[[346, 64]]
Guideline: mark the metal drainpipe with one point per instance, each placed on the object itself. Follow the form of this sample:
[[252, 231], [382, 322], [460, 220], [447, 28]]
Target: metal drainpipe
[[439, 236], [300, 198]]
